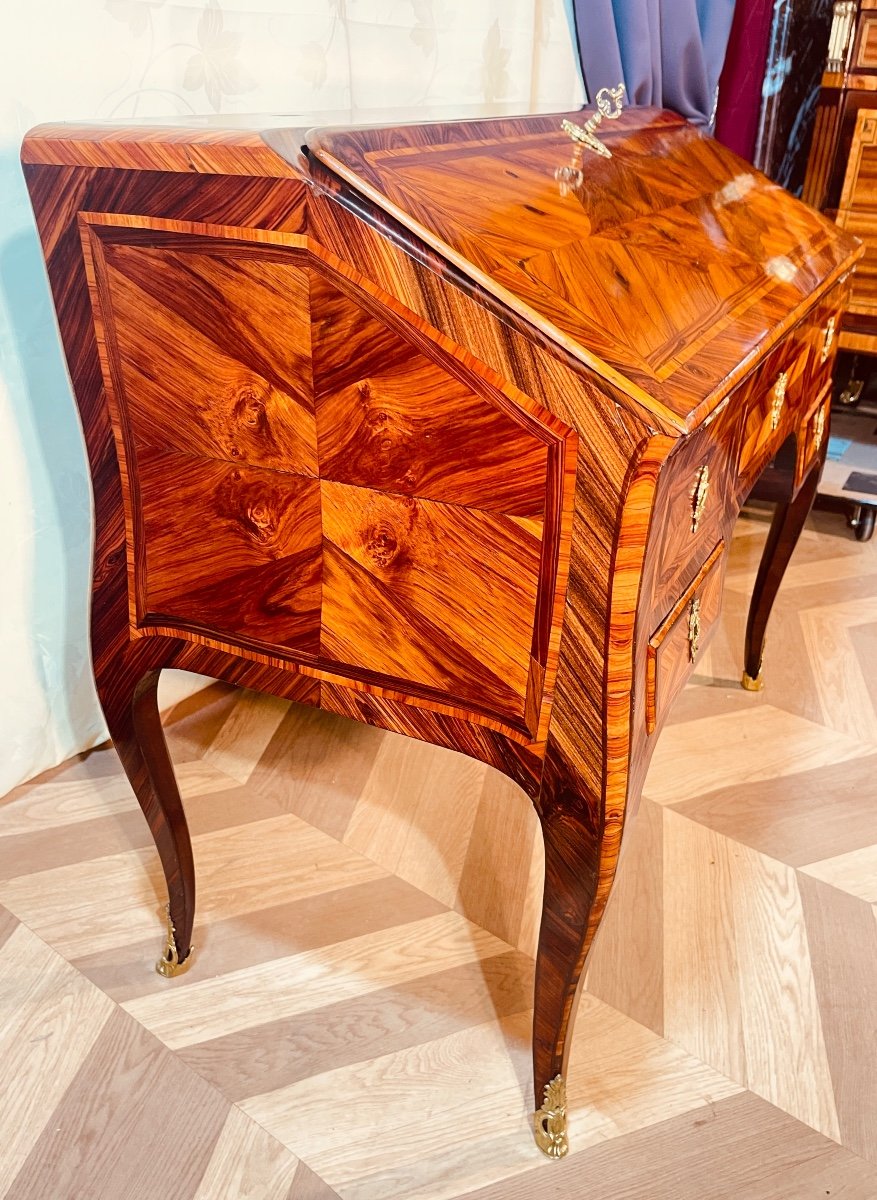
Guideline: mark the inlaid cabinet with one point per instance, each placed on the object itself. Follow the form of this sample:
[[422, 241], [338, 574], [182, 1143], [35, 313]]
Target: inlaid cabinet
[[443, 428]]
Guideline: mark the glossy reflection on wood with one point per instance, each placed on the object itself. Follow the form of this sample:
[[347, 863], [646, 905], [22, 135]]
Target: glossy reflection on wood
[[409, 436]]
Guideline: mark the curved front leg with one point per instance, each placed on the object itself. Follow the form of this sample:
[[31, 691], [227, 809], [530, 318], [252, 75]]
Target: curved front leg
[[129, 698], [785, 530], [573, 831]]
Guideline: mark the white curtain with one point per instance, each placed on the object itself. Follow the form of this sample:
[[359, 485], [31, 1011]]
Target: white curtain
[[110, 59]]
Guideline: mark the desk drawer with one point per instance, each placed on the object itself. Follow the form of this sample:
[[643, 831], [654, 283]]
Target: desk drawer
[[695, 506], [676, 645], [773, 400], [822, 335], [812, 437]]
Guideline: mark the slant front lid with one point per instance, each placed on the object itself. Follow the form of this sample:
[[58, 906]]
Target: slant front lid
[[668, 268]]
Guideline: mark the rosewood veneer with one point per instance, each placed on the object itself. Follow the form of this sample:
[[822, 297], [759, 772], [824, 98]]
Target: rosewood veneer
[[443, 428]]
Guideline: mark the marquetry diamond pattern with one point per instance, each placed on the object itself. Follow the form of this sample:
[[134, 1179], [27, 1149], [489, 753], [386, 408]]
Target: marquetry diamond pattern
[[346, 478]]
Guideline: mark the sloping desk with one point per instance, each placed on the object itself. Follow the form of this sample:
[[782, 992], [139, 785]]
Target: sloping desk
[[443, 428]]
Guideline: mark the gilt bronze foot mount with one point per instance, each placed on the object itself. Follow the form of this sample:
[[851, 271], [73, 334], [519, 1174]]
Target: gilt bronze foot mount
[[169, 964], [549, 1123]]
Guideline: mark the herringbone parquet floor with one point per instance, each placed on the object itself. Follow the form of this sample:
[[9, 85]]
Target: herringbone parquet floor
[[356, 1021]]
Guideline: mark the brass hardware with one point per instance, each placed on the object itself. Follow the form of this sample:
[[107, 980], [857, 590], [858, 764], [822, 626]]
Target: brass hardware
[[698, 496], [779, 398], [750, 684], [169, 964], [694, 628], [609, 103], [827, 338], [818, 428], [549, 1123]]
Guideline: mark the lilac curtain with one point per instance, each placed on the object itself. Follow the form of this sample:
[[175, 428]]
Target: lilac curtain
[[668, 52]]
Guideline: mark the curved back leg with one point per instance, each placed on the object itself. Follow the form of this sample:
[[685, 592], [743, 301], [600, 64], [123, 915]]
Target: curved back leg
[[785, 530], [129, 699]]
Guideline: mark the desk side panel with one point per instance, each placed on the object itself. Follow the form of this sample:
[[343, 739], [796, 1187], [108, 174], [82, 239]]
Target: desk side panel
[[256, 206]]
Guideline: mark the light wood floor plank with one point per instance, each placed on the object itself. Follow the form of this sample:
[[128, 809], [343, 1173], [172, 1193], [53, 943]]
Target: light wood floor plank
[[8, 924], [281, 988], [401, 819], [94, 907], [212, 801], [787, 818], [465, 1105], [634, 919], [247, 939], [247, 1164], [57, 805], [844, 695], [810, 573], [842, 936], [497, 889], [854, 872], [433, 1006], [316, 765], [50, 1018], [134, 1122], [742, 748], [742, 1148], [244, 735], [786, 1061], [702, 1005]]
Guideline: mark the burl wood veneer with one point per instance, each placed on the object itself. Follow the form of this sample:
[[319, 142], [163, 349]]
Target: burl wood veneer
[[401, 426]]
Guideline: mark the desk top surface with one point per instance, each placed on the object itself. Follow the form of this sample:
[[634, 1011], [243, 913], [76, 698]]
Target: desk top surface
[[670, 267]]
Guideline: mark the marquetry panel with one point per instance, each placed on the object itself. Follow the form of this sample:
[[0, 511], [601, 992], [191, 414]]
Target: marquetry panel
[[863, 224], [415, 571], [866, 52], [860, 182], [392, 419], [307, 475], [235, 550], [665, 267], [212, 350]]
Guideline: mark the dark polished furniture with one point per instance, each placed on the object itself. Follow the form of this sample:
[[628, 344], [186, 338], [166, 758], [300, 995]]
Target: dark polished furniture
[[842, 182], [442, 428]]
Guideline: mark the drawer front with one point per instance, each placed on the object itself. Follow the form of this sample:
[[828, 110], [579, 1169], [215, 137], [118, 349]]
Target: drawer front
[[813, 437], [787, 385], [773, 401], [823, 335], [694, 506], [677, 644]]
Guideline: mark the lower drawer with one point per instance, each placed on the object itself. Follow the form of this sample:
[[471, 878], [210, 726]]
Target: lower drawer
[[812, 436], [676, 645]]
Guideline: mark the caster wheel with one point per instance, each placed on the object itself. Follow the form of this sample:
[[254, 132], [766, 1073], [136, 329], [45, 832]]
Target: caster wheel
[[865, 525]]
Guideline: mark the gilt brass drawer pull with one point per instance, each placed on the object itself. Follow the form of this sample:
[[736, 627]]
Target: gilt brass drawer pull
[[698, 496], [694, 628], [779, 398], [828, 338], [818, 428]]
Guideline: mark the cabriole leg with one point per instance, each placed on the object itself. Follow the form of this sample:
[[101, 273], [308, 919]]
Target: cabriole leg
[[130, 704], [573, 832], [785, 529]]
